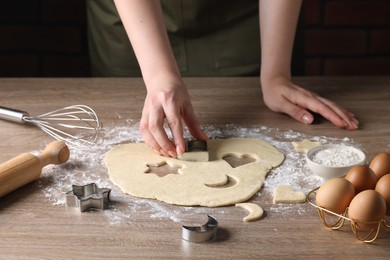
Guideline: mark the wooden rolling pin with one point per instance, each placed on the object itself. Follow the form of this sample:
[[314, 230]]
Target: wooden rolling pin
[[27, 167]]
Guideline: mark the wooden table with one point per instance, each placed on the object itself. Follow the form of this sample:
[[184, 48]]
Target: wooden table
[[32, 227]]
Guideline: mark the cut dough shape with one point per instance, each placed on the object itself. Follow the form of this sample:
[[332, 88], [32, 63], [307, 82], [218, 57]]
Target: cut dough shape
[[284, 194], [197, 182], [255, 211], [196, 156], [304, 145]]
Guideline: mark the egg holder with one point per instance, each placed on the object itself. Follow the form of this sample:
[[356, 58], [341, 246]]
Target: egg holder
[[368, 237]]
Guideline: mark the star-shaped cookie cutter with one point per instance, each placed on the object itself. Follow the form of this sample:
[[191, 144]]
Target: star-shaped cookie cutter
[[88, 196], [203, 233]]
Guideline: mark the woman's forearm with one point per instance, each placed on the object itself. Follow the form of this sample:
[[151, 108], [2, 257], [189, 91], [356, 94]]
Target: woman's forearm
[[278, 21], [167, 100], [144, 24]]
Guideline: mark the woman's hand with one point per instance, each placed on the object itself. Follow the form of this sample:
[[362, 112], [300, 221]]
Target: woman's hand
[[168, 101], [167, 98], [278, 20], [281, 95]]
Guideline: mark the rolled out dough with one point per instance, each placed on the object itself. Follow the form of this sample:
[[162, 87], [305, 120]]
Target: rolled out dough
[[198, 183]]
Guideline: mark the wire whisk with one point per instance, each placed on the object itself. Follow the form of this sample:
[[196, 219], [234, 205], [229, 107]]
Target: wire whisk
[[76, 125]]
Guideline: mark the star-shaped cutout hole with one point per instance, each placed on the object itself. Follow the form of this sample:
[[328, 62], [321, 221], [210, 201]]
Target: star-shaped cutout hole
[[161, 169]]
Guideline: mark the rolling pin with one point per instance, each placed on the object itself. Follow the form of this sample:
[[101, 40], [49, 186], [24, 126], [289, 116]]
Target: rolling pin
[[27, 167]]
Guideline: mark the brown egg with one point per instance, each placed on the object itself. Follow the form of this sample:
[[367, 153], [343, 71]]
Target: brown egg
[[362, 178], [335, 195], [380, 164], [383, 187], [367, 206]]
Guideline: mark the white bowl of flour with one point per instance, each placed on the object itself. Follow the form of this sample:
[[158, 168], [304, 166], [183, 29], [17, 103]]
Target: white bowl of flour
[[332, 160]]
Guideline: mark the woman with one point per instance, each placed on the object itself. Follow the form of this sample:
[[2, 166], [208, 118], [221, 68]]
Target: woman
[[176, 38]]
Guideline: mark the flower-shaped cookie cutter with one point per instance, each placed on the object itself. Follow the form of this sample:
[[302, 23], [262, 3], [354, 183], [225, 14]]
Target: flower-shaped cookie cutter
[[88, 196]]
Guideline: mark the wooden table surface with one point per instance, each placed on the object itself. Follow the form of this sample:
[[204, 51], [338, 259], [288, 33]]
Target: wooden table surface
[[35, 222]]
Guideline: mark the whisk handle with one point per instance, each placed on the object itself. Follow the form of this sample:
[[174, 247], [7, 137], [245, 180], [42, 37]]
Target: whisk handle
[[12, 115]]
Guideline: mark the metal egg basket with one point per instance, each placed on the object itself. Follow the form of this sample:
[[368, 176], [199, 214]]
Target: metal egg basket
[[365, 236]]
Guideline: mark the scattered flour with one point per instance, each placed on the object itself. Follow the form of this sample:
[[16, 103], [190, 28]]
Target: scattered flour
[[87, 165]]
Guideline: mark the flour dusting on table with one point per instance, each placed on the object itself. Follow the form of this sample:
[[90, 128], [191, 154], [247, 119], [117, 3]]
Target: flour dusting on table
[[87, 166]]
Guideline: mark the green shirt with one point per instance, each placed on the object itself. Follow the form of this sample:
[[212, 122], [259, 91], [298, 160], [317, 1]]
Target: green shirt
[[208, 38]]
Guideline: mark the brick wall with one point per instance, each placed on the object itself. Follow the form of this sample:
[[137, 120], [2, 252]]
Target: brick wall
[[47, 38], [44, 38], [347, 37]]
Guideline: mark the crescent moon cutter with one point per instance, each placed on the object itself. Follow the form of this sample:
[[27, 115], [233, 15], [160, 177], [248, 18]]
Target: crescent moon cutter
[[203, 233]]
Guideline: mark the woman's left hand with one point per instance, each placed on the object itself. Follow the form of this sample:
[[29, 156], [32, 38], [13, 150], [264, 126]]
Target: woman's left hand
[[281, 95]]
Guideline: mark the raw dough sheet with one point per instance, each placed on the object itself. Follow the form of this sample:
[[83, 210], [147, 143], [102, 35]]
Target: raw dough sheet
[[197, 183]]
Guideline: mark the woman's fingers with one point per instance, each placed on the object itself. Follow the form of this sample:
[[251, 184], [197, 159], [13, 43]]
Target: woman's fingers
[[297, 102], [172, 108], [152, 129], [192, 124], [174, 120], [349, 119]]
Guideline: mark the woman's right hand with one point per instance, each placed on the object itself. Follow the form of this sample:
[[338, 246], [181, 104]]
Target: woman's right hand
[[167, 97], [168, 101]]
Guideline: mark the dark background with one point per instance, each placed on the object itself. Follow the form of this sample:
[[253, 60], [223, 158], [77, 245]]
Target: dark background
[[48, 38]]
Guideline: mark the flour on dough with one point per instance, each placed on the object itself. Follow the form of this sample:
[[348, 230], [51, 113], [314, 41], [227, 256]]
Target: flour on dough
[[198, 183], [255, 211], [284, 194], [304, 145]]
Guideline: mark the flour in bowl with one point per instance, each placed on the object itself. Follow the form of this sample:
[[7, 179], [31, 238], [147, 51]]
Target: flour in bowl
[[336, 157]]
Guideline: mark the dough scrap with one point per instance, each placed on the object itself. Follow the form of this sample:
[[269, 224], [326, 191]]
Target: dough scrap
[[284, 194], [198, 183], [255, 211], [304, 145]]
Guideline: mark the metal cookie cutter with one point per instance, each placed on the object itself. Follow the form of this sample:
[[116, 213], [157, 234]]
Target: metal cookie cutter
[[88, 196], [196, 151], [203, 233]]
